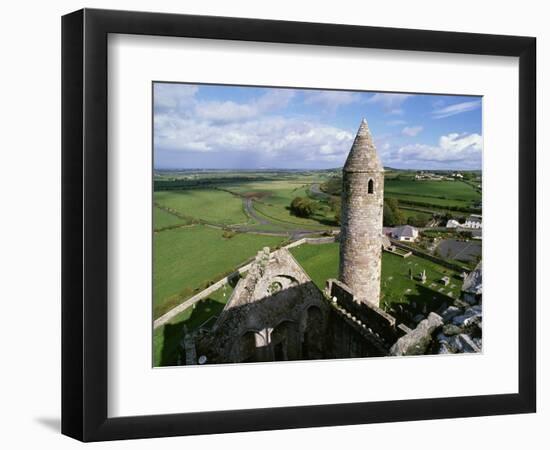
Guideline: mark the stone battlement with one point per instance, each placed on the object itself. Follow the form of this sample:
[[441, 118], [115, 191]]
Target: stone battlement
[[380, 322]]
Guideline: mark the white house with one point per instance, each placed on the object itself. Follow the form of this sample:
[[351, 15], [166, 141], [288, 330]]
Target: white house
[[452, 223], [405, 233], [473, 221]]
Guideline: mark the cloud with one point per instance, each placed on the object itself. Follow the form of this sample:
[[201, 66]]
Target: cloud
[[412, 131], [229, 111], [390, 103], [225, 111], [457, 108], [250, 127], [270, 136], [174, 97], [331, 100], [394, 123], [453, 151]]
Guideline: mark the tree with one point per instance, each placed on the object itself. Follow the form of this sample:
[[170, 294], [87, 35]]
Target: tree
[[416, 221], [302, 207], [392, 214], [336, 206]]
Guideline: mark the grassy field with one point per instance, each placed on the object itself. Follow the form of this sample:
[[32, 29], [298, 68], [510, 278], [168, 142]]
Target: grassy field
[[163, 219], [455, 190], [426, 193], [427, 202], [417, 214], [273, 200], [281, 215], [210, 205], [321, 263], [167, 338], [186, 259], [441, 194]]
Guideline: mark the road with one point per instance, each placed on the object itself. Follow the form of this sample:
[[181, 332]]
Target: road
[[249, 209], [293, 233], [315, 189], [248, 206]]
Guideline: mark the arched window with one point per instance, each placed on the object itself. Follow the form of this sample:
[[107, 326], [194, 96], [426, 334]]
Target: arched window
[[371, 186]]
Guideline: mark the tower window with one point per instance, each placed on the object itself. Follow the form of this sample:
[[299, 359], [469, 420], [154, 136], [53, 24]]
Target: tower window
[[371, 187]]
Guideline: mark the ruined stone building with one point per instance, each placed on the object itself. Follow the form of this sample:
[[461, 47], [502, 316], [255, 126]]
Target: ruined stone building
[[276, 312]]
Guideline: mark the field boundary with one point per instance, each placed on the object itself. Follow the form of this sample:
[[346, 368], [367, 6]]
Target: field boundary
[[286, 222], [432, 258], [166, 317]]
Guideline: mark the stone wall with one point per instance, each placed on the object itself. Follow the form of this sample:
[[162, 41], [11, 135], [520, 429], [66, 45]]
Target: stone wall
[[435, 259], [347, 339], [377, 320]]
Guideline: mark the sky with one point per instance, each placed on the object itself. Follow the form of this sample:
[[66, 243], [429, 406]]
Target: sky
[[237, 127]]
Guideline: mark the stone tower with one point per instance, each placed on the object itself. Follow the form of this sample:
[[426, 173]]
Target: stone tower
[[361, 219]]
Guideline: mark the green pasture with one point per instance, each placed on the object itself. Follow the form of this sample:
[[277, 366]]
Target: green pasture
[[428, 193], [427, 202], [167, 338], [273, 198], [210, 205], [413, 213], [187, 259], [163, 219], [322, 219], [319, 261], [455, 190], [279, 190]]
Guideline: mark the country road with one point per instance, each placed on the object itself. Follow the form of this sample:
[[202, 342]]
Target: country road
[[315, 189], [293, 233], [249, 208]]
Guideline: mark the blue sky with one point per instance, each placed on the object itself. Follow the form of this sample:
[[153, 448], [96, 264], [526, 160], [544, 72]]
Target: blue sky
[[233, 127]]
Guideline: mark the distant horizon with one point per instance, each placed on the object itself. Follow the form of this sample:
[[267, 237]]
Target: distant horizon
[[258, 128], [298, 169]]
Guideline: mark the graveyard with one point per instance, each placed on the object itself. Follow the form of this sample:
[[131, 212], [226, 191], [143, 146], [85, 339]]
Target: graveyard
[[397, 286]]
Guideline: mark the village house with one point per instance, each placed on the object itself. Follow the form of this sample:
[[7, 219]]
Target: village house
[[405, 233]]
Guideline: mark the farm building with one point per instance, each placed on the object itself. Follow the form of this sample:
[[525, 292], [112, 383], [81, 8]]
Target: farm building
[[473, 221], [405, 233], [452, 223]]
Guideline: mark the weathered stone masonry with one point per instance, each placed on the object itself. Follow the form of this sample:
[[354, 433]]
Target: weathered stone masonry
[[362, 210]]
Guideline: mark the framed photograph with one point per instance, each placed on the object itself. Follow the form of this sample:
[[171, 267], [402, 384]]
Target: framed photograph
[[273, 224]]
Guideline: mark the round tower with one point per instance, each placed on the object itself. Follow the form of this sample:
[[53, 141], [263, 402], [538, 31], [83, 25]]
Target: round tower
[[361, 219]]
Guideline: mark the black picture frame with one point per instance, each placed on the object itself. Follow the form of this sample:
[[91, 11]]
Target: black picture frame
[[84, 224]]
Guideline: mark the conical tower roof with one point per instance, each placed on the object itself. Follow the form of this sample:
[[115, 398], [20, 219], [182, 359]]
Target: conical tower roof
[[363, 156]]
